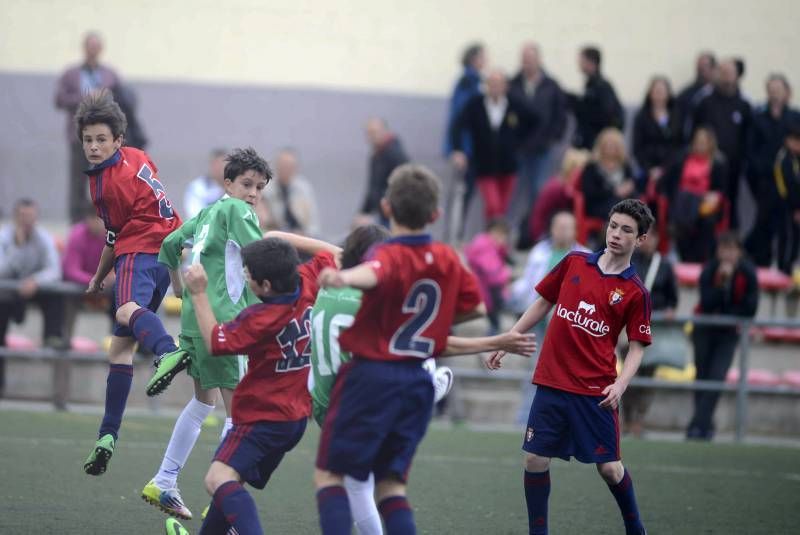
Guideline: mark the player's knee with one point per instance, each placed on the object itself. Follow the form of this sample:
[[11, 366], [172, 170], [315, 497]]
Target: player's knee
[[535, 463], [389, 487], [219, 474], [124, 313], [324, 478], [611, 472]]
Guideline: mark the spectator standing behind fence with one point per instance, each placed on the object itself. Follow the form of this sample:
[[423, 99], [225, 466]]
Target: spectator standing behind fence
[[468, 85], [291, 204], [608, 177], [771, 123], [695, 186], [598, 108], [387, 154], [658, 275], [206, 189], [496, 123], [656, 133], [729, 115], [28, 257], [728, 285], [545, 100], [691, 95], [487, 256], [73, 84]]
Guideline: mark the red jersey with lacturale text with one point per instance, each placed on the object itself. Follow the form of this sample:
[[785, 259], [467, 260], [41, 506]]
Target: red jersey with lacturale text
[[591, 309], [132, 202], [276, 336], [422, 286]]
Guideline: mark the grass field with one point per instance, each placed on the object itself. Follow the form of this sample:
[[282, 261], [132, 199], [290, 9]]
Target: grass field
[[462, 482]]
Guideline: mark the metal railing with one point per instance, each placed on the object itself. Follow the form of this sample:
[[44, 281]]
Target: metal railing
[[742, 388]]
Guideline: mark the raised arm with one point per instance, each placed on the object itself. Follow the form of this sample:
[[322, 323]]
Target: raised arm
[[511, 342], [535, 313], [361, 276], [307, 245]]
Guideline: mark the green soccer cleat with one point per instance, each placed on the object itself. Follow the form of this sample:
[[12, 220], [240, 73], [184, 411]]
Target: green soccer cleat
[[174, 528], [97, 462], [170, 365], [168, 500]]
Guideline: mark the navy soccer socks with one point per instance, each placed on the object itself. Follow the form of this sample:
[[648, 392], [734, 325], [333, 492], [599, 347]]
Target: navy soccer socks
[[626, 500], [150, 332], [118, 385], [537, 492], [232, 506], [334, 511], [397, 515]]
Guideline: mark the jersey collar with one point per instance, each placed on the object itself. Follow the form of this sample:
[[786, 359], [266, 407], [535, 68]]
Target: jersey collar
[[282, 299], [103, 165], [412, 239], [594, 258]]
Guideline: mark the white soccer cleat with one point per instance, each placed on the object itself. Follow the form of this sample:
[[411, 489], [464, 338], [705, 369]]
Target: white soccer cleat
[[442, 383]]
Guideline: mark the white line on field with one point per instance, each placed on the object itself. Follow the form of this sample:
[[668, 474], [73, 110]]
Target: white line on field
[[453, 459]]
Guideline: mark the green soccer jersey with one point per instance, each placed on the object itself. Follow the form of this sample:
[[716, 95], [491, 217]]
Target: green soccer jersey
[[216, 236], [333, 312]]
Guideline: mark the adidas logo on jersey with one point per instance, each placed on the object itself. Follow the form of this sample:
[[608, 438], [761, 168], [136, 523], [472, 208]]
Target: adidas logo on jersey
[[585, 323]]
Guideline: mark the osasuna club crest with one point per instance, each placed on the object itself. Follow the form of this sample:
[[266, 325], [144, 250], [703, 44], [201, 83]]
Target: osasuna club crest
[[615, 296], [529, 434]]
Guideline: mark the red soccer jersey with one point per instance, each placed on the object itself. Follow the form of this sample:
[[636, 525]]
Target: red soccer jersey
[[591, 309], [276, 337], [422, 285], [132, 202]]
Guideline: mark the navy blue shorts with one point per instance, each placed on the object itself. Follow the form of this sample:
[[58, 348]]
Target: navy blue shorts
[[378, 414], [563, 424], [140, 278], [255, 450]]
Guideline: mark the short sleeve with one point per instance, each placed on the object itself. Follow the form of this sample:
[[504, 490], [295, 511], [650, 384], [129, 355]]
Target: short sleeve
[[638, 324], [550, 285], [319, 262], [469, 295], [239, 336]]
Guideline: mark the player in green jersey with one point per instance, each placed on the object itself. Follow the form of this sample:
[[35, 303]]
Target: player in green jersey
[[215, 237], [333, 312]]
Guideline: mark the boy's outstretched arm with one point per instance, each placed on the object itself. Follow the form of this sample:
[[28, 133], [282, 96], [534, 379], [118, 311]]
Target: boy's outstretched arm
[[535, 313], [361, 276], [197, 282], [511, 342], [307, 245]]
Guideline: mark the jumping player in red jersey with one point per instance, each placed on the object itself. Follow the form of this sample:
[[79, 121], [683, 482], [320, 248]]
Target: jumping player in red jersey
[[381, 404], [133, 204], [575, 411], [271, 404]]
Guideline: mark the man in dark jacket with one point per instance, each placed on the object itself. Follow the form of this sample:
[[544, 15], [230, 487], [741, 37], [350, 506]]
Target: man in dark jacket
[[728, 285], [729, 115], [496, 123], [691, 95], [546, 101], [599, 106], [771, 124], [387, 153]]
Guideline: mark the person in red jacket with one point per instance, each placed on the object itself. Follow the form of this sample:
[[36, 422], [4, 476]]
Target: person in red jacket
[[137, 215]]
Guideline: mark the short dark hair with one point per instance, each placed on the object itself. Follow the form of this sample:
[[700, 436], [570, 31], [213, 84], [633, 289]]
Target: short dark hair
[[470, 53], [24, 202], [729, 238], [239, 161], [274, 260], [593, 54], [359, 242], [740, 66], [638, 211], [413, 194], [780, 77], [99, 107]]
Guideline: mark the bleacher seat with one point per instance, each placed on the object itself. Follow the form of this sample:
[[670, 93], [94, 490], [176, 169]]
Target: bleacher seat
[[755, 377], [791, 378], [84, 345], [20, 342]]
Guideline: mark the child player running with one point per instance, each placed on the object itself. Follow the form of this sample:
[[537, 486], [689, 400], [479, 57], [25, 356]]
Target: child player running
[[137, 214], [216, 237], [575, 410], [414, 289], [334, 311]]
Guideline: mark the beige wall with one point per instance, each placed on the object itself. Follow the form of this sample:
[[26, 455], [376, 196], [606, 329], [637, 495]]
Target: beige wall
[[409, 46]]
